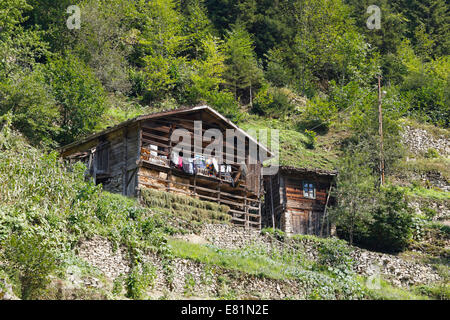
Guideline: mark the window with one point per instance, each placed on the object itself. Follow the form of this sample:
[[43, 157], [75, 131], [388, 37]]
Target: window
[[309, 190], [102, 158]]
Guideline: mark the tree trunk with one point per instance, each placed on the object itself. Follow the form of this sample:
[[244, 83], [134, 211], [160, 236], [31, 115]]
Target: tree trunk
[[251, 98]]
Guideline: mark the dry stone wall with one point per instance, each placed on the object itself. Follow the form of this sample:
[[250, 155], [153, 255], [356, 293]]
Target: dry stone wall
[[100, 253], [419, 141], [213, 281], [193, 279], [394, 269]]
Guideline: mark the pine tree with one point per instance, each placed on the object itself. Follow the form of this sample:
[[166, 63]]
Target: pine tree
[[243, 72]]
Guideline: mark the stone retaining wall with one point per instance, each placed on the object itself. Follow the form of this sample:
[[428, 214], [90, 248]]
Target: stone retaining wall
[[419, 141], [99, 253], [394, 269]]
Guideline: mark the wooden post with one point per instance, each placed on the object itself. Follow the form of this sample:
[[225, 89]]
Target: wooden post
[[271, 204], [245, 209], [125, 161], [259, 197], [220, 184], [94, 172], [138, 158], [169, 174], [380, 121], [325, 212]]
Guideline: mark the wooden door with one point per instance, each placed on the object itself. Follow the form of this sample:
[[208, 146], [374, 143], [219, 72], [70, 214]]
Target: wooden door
[[300, 222]]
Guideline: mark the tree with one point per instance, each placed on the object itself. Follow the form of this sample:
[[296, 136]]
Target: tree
[[12, 13], [79, 95], [32, 106], [393, 24], [431, 15], [355, 188], [162, 41], [243, 72], [19, 48], [426, 86], [391, 229], [105, 42], [197, 26], [206, 73]]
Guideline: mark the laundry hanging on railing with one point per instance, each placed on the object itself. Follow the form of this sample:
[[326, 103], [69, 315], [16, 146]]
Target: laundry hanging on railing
[[154, 153], [188, 166], [204, 166]]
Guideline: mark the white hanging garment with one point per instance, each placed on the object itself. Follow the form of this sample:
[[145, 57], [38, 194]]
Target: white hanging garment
[[154, 153]]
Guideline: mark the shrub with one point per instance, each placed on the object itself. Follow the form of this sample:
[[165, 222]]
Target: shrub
[[274, 102], [224, 102], [312, 139], [276, 233], [189, 285], [319, 112], [431, 153], [334, 254], [440, 291], [30, 259], [392, 226], [139, 279]]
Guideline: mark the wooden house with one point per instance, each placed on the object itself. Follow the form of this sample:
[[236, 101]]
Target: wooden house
[[296, 200], [138, 153]]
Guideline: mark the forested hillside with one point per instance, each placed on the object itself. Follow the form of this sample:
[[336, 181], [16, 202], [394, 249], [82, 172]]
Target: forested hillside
[[242, 57], [308, 68]]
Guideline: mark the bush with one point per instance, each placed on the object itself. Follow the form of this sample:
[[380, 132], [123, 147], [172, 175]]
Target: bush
[[30, 259], [224, 102], [312, 139], [431, 153], [440, 291], [319, 113], [139, 279], [334, 254], [274, 102], [392, 226], [276, 233]]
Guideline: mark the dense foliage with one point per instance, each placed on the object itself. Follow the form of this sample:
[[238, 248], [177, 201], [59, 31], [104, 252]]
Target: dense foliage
[[306, 67], [59, 83]]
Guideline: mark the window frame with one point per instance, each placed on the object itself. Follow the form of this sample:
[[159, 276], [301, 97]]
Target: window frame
[[309, 187]]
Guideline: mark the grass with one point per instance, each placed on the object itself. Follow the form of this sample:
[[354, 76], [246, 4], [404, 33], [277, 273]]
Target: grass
[[229, 259], [425, 193], [424, 165], [439, 291], [389, 292], [294, 143]]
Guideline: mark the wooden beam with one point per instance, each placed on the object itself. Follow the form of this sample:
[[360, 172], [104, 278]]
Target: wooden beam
[[125, 161]]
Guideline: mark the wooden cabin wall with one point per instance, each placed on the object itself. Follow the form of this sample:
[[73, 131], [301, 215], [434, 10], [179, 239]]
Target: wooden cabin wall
[[133, 154], [243, 200], [303, 215], [122, 155], [273, 201], [122, 161], [129, 167]]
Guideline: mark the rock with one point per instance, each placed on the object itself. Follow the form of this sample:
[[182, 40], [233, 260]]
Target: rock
[[99, 253]]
